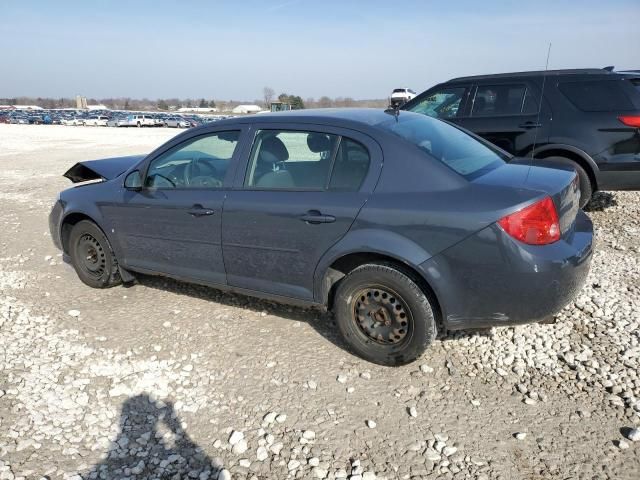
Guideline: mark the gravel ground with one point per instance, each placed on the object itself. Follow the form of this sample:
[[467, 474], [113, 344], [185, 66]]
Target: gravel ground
[[168, 380]]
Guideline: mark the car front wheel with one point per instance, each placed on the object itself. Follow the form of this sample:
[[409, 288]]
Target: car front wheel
[[92, 257], [384, 315]]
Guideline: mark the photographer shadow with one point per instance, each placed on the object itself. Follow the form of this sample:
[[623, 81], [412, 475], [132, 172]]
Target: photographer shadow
[[142, 449]]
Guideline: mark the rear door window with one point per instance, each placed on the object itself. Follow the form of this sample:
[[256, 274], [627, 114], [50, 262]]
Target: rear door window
[[495, 100], [350, 166], [597, 96]]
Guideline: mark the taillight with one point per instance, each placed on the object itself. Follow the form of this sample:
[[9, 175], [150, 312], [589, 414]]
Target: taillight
[[630, 120], [536, 224]]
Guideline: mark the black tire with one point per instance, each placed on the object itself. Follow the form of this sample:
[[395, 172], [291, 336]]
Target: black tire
[[92, 257], [402, 336], [139, 125], [586, 188]]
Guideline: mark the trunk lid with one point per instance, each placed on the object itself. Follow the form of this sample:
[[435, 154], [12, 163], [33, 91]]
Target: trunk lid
[[105, 169], [560, 183]]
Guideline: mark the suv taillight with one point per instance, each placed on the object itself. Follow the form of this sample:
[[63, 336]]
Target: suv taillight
[[630, 120], [536, 224]]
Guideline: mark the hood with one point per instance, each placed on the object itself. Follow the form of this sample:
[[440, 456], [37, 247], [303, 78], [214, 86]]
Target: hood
[[106, 169]]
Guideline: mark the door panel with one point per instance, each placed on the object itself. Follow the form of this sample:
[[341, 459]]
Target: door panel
[[507, 116], [296, 194], [270, 247], [176, 232], [172, 225]]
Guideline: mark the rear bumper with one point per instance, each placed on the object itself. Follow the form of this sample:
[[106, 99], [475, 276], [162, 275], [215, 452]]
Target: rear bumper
[[623, 175], [490, 279]]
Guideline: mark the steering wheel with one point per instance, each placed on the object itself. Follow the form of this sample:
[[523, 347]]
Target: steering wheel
[[210, 180]]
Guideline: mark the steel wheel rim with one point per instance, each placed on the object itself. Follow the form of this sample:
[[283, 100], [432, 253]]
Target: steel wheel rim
[[381, 315], [91, 256]]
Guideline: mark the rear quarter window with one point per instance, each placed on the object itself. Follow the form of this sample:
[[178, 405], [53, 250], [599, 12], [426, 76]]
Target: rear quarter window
[[597, 96]]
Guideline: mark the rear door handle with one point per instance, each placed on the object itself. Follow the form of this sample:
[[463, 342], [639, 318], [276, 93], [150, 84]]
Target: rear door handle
[[200, 211], [530, 125], [314, 216]]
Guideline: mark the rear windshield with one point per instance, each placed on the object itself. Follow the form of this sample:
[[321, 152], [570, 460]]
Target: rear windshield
[[453, 147], [597, 96]]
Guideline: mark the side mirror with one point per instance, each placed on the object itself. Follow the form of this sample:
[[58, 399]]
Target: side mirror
[[133, 181]]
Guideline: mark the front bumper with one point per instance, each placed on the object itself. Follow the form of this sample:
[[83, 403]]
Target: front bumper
[[490, 279], [55, 221]]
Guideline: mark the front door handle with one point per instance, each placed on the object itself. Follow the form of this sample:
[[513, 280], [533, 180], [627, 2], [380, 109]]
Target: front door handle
[[315, 217], [530, 125], [200, 211]]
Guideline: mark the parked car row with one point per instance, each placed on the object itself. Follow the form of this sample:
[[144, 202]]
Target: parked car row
[[104, 118]]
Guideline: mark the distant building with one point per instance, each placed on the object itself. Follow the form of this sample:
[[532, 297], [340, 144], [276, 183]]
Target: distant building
[[81, 102], [198, 110], [247, 109], [96, 107], [27, 107]]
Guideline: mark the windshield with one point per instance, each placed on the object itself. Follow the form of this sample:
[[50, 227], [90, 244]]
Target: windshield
[[451, 146]]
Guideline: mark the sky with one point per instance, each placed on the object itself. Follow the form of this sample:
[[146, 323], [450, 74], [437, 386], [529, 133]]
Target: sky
[[231, 50]]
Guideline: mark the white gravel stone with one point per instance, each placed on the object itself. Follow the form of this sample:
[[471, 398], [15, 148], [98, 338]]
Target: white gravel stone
[[293, 464], [74, 313], [520, 435], [235, 437], [413, 412], [633, 434], [371, 424], [281, 418], [424, 368], [318, 472], [341, 378], [262, 454], [224, 474], [240, 447], [448, 451]]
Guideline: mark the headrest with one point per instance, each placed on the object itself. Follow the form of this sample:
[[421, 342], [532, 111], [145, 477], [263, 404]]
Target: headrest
[[318, 142], [273, 150]]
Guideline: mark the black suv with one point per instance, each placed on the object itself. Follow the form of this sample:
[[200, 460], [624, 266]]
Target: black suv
[[587, 118]]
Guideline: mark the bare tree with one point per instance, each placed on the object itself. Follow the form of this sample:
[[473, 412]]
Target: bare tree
[[268, 93]]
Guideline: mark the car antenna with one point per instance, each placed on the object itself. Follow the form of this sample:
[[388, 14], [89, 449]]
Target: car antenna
[[393, 110], [535, 135]]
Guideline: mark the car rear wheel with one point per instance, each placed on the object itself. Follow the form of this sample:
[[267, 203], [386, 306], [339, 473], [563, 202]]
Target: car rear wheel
[[384, 316], [92, 257], [586, 189]]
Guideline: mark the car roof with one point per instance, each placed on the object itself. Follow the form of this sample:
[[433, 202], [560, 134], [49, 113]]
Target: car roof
[[539, 73], [346, 117]]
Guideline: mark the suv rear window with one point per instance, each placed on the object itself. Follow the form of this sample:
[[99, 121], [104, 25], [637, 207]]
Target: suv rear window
[[458, 150], [600, 96]]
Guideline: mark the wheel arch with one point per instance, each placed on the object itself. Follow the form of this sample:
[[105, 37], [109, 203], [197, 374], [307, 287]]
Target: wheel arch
[[382, 247], [579, 156], [68, 222]]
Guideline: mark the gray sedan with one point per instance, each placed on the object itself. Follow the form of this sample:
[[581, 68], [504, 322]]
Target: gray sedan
[[403, 225]]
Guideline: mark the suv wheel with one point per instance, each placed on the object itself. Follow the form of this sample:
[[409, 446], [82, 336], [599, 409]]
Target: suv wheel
[[384, 315], [586, 189], [92, 257]]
